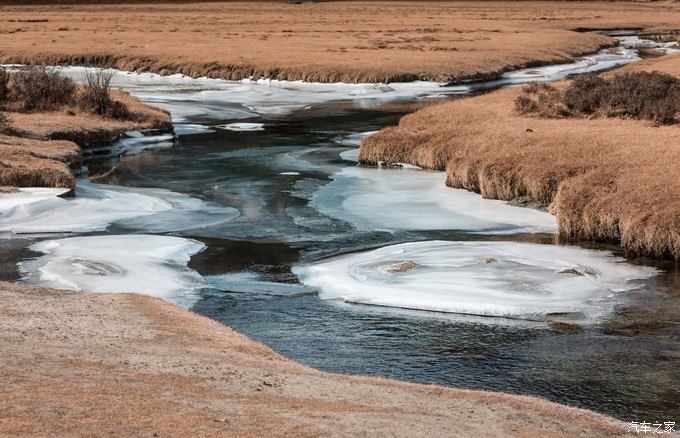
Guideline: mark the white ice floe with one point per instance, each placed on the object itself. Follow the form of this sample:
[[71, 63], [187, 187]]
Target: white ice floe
[[353, 139], [411, 199], [97, 206], [633, 42], [146, 264], [250, 282], [192, 128], [502, 279], [135, 142], [242, 126]]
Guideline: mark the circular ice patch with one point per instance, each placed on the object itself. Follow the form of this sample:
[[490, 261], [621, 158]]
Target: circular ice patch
[[502, 279]]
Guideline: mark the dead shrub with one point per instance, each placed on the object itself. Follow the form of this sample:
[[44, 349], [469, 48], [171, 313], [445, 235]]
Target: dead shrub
[[96, 96], [542, 99], [642, 95], [653, 96], [585, 94], [40, 88]]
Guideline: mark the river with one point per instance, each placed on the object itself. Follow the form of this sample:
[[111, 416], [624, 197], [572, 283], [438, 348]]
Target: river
[[260, 189]]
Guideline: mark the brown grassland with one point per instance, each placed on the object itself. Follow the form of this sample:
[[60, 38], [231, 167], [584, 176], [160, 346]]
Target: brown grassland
[[608, 179], [328, 42], [124, 364]]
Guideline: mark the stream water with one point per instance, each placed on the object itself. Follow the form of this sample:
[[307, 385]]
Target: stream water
[[260, 191]]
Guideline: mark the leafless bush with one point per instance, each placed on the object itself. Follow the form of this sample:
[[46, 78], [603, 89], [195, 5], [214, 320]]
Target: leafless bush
[[40, 88], [96, 95], [586, 94], [654, 96], [641, 95]]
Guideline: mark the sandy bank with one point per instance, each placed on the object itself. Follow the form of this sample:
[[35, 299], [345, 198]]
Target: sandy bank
[[604, 179], [325, 42], [126, 364], [44, 149]]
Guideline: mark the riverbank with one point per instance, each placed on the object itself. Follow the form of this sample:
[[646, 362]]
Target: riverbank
[[45, 148], [335, 42], [148, 367], [608, 179]]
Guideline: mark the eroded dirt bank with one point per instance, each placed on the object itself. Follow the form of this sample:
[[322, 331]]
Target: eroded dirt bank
[[377, 41], [125, 364], [604, 178]]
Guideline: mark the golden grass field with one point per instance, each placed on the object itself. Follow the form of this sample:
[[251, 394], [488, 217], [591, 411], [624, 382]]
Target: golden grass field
[[328, 42], [604, 178]]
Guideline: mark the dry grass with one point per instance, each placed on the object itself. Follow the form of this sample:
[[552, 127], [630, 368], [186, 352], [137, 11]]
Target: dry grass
[[84, 363], [35, 163], [340, 41], [641, 95], [43, 148], [604, 178]]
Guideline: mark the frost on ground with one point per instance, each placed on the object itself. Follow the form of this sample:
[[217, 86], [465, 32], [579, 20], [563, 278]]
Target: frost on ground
[[146, 264], [97, 206], [501, 279]]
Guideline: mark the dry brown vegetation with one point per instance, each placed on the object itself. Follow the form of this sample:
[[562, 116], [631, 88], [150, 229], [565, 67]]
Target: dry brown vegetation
[[128, 365], [48, 119], [641, 95], [359, 41], [604, 178]]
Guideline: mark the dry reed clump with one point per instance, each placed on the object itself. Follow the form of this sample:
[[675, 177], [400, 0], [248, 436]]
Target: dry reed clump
[[95, 96], [38, 88], [641, 95], [42, 89], [606, 179]]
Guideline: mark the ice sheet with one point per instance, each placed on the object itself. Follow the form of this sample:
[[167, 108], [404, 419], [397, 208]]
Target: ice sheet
[[502, 279], [97, 206], [353, 139], [146, 264], [192, 128], [136, 142], [412, 199], [243, 126], [250, 282]]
